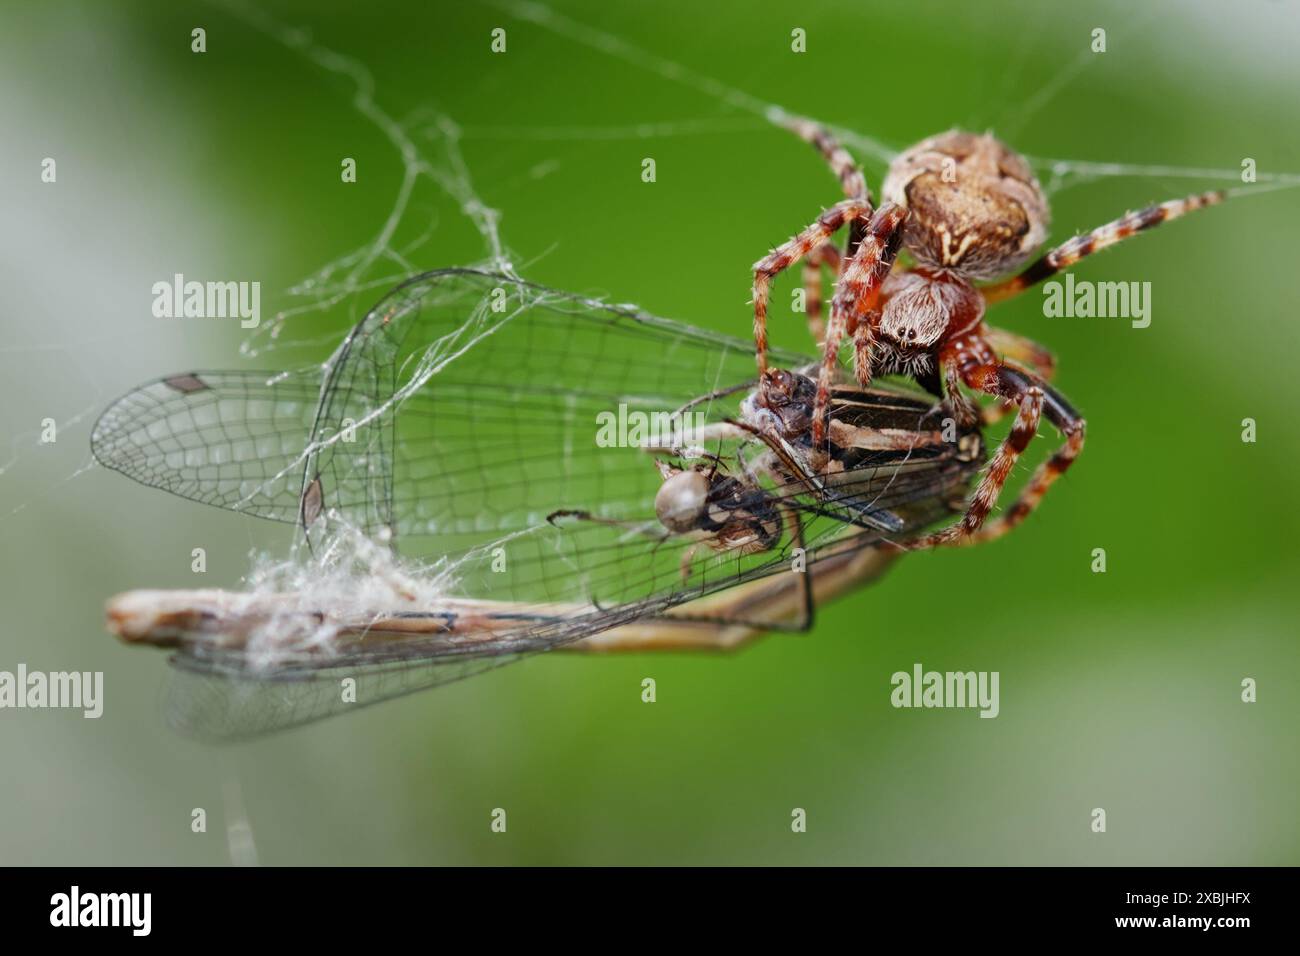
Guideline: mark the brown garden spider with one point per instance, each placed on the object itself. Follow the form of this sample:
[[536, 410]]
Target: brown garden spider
[[967, 209]]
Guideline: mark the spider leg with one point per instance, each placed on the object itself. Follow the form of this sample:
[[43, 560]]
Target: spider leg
[[688, 557], [766, 606], [1022, 351], [842, 164], [825, 254], [803, 584], [854, 305], [1034, 398], [1103, 237], [787, 254]]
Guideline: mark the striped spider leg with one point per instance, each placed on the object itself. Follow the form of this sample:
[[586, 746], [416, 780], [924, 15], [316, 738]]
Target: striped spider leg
[[824, 255]]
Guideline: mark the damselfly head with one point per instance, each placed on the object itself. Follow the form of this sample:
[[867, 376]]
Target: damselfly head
[[682, 500]]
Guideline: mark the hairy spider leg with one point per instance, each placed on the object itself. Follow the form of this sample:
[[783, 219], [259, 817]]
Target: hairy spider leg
[[828, 255], [842, 164], [794, 526], [844, 167], [1023, 351], [853, 308], [1103, 237]]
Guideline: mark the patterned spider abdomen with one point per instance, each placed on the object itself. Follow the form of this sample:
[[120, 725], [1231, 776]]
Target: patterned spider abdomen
[[976, 206]]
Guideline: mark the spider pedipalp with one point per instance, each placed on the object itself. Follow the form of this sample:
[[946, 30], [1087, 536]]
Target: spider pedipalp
[[966, 209]]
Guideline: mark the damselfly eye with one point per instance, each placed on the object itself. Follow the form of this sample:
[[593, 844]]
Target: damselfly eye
[[681, 501]]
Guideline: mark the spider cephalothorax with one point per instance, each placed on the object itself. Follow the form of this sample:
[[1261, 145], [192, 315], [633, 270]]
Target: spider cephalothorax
[[920, 308], [783, 402], [967, 209]]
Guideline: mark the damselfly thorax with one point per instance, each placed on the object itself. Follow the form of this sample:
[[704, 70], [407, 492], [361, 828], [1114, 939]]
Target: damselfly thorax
[[877, 440]]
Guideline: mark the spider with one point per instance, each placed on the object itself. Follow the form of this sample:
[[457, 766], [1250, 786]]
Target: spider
[[967, 209]]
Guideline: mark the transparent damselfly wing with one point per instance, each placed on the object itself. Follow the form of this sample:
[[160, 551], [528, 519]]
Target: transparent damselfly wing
[[460, 416]]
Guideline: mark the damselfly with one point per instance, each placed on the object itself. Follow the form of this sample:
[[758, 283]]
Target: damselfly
[[555, 472]]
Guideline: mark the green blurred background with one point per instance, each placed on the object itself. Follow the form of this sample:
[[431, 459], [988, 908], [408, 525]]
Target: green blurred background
[[1118, 690]]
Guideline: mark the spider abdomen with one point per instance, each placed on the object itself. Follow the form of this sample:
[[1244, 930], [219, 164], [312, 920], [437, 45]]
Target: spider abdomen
[[975, 205]]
